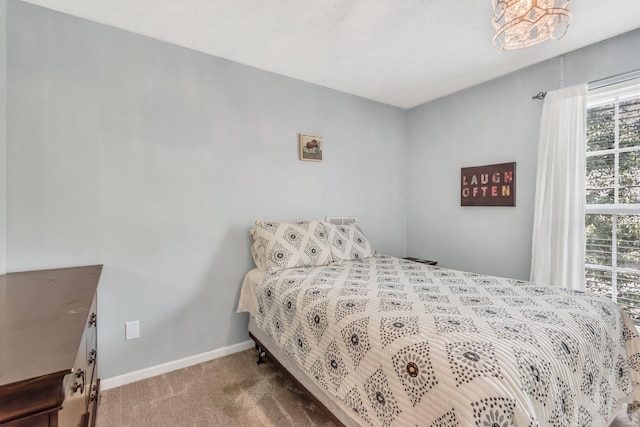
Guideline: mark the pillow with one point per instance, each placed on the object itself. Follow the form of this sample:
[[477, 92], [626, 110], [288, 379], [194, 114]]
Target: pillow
[[347, 242], [256, 252], [278, 245]]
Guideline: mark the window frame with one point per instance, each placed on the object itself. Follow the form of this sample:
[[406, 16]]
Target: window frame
[[613, 94]]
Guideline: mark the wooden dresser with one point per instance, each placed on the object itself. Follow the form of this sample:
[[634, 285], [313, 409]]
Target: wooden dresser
[[48, 347]]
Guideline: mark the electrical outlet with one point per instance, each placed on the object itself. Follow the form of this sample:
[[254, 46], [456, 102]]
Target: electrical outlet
[[132, 330]]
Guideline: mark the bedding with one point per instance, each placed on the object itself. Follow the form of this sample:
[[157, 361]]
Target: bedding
[[279, 245], [398, 343], [347, 242]]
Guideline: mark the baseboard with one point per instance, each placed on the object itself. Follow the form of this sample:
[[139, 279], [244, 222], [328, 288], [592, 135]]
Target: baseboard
[[153, 371]]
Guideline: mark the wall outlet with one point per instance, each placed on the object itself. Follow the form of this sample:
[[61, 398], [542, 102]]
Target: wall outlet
[[132, 330]]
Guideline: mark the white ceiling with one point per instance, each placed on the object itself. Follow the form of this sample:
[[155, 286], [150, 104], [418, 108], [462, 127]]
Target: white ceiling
[[399, 52]]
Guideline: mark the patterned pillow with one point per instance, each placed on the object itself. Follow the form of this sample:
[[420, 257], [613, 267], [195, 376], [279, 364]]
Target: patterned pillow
[[278, 245], [347, 242], [256, 252]]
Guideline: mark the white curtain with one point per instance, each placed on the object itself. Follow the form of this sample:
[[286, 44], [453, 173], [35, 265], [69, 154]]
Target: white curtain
[[558, 249]]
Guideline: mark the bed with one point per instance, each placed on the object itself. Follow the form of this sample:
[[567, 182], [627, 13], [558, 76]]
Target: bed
[[385, 341]]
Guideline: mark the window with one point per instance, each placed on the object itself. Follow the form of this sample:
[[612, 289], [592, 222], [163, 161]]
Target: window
[[612, 219]]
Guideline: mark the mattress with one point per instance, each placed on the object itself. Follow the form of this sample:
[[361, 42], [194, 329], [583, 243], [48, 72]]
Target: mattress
[[393, 342]]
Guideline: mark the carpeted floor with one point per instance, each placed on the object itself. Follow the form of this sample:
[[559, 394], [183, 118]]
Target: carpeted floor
[[230, 391]]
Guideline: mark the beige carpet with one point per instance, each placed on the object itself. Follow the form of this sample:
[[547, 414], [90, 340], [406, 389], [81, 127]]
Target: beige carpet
[[230, 391]]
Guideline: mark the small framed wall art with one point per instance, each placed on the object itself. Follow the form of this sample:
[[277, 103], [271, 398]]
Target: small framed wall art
[[310, 147], [491, 185]]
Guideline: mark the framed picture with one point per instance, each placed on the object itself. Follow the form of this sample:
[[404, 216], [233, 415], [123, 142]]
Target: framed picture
[[310, 147], [490, 185]]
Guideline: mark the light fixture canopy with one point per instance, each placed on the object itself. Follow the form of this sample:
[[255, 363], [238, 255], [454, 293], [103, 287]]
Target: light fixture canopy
[[522, 23]]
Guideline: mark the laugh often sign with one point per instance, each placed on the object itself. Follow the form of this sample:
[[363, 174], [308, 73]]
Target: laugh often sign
[[491, 185]]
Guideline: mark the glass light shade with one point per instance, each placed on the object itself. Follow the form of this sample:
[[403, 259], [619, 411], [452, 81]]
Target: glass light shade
[[522, 23]]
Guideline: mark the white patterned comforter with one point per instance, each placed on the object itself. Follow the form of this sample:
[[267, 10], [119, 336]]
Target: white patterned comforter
[[399, 343]]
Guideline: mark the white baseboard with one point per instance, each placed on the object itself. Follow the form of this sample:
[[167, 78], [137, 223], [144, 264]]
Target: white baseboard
[[174, 365]]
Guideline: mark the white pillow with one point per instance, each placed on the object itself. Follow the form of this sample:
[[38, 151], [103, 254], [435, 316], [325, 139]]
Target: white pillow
[[278, 245], [347, 242]]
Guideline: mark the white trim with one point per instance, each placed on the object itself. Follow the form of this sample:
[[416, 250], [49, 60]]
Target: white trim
[[613, 209], [621, 89], [610, 268], [174, 365], [613, 151], [612, 80]]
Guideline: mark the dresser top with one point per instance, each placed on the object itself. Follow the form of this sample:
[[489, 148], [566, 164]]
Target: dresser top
[[43, 315]]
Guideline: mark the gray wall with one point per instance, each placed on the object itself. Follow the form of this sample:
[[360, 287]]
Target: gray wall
[[154, 160], [3, 137], [495, 122]]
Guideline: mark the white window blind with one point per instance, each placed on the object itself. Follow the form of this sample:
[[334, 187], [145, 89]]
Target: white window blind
[[612, 220]]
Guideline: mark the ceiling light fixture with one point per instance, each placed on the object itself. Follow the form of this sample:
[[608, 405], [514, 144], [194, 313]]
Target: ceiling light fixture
[[522, 23]]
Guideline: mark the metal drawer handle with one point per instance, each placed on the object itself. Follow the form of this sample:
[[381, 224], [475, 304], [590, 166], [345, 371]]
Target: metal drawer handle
[[92, 319], [77, 386], [80, 374], [92, 356]]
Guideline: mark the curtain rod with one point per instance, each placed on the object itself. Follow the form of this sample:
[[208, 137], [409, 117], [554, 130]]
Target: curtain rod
[[595, 84]]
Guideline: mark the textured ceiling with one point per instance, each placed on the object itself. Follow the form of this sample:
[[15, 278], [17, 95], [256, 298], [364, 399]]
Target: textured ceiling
[[399, 52]]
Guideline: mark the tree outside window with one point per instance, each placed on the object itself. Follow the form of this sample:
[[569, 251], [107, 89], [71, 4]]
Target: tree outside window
[[612, 221]]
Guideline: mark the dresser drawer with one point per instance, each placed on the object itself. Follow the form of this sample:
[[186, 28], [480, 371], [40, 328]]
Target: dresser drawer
[[49, 344], [41, 420], [93, 383], [78, 384], [30, 399]]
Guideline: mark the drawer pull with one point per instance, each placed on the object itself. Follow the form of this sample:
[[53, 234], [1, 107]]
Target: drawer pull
[[94, 394], [92, 356], [80, 374], [92, 320], [77, 386]]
